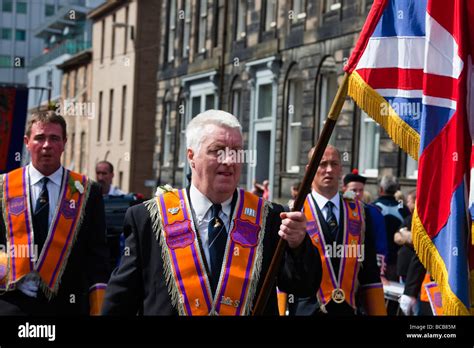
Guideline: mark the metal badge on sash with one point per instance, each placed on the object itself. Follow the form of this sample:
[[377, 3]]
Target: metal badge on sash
[[338, 295]]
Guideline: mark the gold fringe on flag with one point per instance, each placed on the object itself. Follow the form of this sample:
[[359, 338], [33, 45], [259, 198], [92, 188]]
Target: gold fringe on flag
[[382, 112], [430, 257]]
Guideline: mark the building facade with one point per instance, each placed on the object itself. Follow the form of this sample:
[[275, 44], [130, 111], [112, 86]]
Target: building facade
[[276, 65], [125, 52]]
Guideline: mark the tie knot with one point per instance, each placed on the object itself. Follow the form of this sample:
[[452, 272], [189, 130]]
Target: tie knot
[[45, 181], [330, 205], [215, 209]]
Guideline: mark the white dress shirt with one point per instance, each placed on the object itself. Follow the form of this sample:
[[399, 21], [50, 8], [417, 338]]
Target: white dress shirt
[[203, 214], [321, 202], [53, 185]]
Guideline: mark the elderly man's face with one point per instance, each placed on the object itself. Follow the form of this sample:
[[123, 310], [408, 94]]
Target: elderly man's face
[[214, 173]]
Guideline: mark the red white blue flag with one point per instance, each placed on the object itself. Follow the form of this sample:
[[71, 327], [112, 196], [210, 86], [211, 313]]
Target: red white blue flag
[[411, 71]]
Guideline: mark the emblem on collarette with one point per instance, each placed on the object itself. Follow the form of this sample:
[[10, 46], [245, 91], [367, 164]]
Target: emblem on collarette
[[17, 205], [68, 209], [250, 212], [179, 234], [338, 295], [173, 210], [245, 233]]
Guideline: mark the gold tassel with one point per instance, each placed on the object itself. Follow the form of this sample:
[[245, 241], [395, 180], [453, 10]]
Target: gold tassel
[[381, 111], [431, 259]]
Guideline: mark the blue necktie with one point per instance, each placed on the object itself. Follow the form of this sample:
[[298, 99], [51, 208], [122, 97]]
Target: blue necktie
[[331, 219], [41, 216], [217, 240]]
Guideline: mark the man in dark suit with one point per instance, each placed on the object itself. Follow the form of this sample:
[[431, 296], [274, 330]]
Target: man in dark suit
[[205, 250], [351, 279], [54, 226]]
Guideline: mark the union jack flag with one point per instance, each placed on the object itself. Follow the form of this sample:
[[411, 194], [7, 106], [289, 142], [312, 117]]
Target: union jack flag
[[411, 71]]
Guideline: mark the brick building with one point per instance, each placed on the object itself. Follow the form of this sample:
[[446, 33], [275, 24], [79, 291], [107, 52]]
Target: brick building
[[276, 65]]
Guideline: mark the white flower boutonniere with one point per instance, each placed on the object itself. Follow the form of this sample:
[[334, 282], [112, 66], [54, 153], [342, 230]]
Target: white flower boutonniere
[[349, 195], [79, 187], [163, 189]]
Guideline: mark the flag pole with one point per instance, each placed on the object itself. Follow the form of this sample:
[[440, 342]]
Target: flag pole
[[305, 188]]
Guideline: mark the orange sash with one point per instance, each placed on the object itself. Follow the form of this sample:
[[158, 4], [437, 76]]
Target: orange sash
[[432, 294], [342, 287], [17, 214], [186, 275]]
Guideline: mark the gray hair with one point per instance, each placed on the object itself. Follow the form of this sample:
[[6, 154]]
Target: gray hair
[[195, 131], [389, 184]]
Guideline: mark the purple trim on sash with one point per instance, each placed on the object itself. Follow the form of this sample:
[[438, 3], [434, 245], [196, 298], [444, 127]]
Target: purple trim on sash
[[49, 240], [346, 240], [257, 219], [27, 219], [73, 225], [241, 203], [226, 276], [11, 227], [180, 282], [321, 294], [246, 281], [183, 204], [355, 267], [163, 209], [321, 239], [201, 278]]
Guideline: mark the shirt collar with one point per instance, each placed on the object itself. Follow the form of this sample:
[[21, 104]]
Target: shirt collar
[[321, 200], [202, 204], [36, 176]]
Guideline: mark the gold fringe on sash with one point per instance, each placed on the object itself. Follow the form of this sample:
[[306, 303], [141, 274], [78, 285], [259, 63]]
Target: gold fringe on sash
[[434, 264], [255, 276], [382, 112], [44, 287], [156, 225]]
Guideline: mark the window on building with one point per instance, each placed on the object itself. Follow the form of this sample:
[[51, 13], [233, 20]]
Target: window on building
[[240, 20], [123, 111], [99, 119], [270, 14], [331, 5], [369, 146], [6, 34], [121, 178], [21, 7], [82, 153], [20, 35], [76, 84], [102, 42], [49, 78], [182, 133], [327, 92], [5, 61], [299, 10], [294, 123], [48, 10], [167, 135], [73, 148], [171, 29], [7, 6], [411, 168], [111, 114], [84, 83], [37, 91], [202, 26], [265, 98], [125, 32], [66, 85], [187, 27], [112, 46], [236, 100]]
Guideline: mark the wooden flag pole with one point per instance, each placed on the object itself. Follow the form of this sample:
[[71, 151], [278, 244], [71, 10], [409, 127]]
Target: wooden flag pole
[[305, 188]]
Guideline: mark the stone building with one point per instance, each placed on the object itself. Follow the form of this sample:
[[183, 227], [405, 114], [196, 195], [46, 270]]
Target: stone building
[[276, 65]]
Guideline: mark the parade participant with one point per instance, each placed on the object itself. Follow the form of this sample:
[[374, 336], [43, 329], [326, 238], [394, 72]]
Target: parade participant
[[336, 226], [104, 172], [394, 213], [205, 250], [53, 224], [356, 183]]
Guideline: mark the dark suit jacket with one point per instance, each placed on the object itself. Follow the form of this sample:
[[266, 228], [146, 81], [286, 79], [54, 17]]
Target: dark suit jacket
[[369, 272], [87, 265], [138, 285]]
